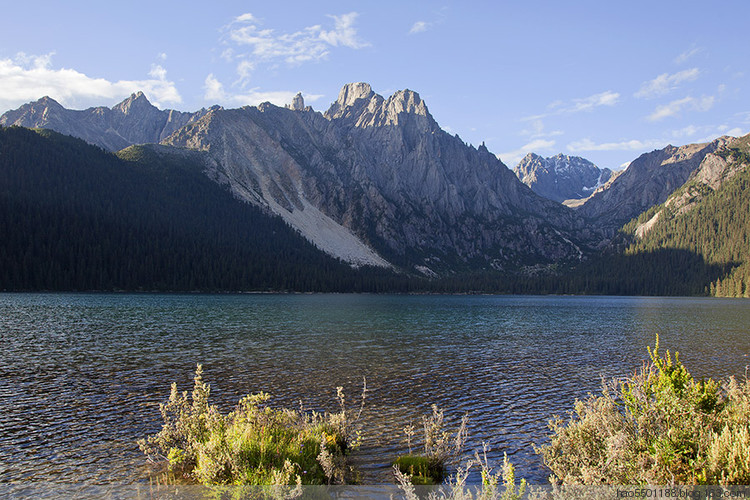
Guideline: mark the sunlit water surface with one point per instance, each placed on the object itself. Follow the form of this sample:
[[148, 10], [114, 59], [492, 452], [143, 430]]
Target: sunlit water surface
[[82, 375]]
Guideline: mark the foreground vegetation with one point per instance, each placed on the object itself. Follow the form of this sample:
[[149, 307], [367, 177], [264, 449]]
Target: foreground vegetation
[[254, 444], [658, 426]]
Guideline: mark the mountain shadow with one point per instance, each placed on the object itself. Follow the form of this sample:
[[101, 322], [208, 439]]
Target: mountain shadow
[[664, 271]]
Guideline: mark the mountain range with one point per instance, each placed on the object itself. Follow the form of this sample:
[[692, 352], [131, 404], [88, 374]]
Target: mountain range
[[376, 182], [561, 177]]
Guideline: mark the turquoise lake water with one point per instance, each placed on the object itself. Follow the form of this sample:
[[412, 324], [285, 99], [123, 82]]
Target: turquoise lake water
[[82, 374]]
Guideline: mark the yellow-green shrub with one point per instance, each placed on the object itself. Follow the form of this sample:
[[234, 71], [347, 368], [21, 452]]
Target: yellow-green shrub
[[254, 444], [659, 426]]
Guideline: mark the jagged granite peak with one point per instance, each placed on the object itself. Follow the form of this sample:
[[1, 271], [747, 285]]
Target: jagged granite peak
[[137, 102], [298, 103], [649, 180], [351, 92], [354, 101], [358, 106], [133, 121], [561, 177]]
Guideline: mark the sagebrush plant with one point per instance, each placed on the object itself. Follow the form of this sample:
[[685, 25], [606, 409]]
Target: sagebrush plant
[[658, 426], [253, 444]]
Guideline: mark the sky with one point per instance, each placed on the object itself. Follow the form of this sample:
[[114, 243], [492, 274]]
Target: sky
[[607, 81]]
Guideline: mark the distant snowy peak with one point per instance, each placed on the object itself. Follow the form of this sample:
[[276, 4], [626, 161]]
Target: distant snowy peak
[[561, 177]]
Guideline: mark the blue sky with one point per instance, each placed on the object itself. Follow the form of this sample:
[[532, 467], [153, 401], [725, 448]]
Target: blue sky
[[603, 80]]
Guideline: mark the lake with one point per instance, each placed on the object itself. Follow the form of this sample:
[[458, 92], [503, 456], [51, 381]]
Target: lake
[[82, 374]]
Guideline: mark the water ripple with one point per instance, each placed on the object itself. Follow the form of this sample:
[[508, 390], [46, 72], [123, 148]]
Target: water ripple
[[84, 374]]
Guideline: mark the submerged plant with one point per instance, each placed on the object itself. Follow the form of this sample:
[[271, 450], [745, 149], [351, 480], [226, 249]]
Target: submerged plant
[[253, 444]]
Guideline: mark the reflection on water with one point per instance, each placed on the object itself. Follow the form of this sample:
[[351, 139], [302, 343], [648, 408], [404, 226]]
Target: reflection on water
[[82, 375]]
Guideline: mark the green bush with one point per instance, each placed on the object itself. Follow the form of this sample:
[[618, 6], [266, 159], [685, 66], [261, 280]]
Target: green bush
[[659, 426], [254, 444]]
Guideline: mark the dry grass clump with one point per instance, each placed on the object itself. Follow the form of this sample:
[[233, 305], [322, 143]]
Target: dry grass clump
[[254, 444], [659, 426], [440, 449]]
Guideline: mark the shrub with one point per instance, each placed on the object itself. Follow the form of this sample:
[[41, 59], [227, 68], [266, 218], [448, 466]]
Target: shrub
[[254, 444], [439, 449], [659, 426]]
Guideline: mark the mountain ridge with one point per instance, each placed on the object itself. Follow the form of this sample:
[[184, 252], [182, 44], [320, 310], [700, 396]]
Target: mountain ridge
[[133, 121]]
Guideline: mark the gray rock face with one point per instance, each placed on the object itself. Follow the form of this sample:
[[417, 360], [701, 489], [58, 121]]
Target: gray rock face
[[561, 177], [647, 181], [134, 121], [298, 103], [383, 171]]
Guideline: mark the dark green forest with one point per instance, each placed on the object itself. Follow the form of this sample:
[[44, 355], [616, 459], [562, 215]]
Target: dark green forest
[[74, 217]]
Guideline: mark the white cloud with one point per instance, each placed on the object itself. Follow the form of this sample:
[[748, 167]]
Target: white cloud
[[343, 33], [511, 158], [419, 27], [687, 55], [27, 78], [244, 70], [675, 107], [312, 43], [665, 83], [245, 18], [607, 98], [536, 130], [735, 132], [684, 132], [631, 145], [158, 72], [215, 93], [558, 107], [214, 89]]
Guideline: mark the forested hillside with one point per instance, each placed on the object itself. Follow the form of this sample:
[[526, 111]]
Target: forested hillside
[[74, 217], [711, 222]]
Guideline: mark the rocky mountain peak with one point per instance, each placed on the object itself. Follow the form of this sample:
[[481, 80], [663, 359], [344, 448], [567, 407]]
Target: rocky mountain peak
[[530, 158], [407, 101], [136, 102], [358, 106], [561, 177], [351, 92], [48, 102], [354, 100], [298, 103]]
